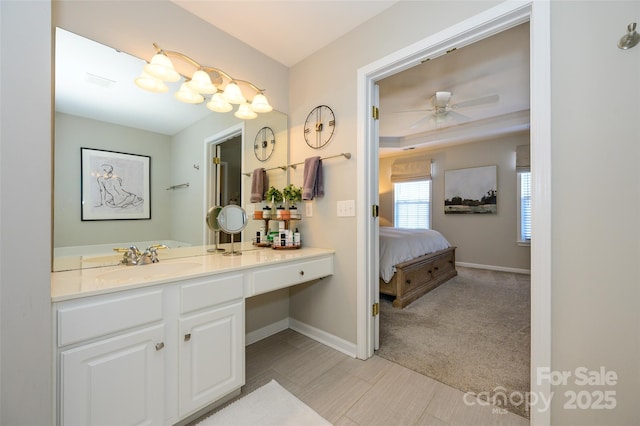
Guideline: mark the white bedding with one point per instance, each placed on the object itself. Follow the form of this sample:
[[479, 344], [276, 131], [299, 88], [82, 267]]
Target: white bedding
[[398, 245]]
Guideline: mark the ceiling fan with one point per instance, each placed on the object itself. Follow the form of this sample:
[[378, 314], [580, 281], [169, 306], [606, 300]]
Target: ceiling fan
[[442, 110]]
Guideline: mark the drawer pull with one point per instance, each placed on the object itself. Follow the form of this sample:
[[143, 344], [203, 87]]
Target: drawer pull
[[435, 268], [301, 273], [187, 337], [159, 346], [408, 282]]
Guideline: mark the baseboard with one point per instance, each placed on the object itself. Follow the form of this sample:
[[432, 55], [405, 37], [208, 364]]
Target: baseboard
[[316, 334], [323, 337], [494, 268], [264, 332]]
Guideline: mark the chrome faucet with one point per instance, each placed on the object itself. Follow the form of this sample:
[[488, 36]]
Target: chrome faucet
[[133, 256]]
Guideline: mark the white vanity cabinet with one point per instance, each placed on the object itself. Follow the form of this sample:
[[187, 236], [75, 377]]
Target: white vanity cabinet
[[112, 372], [211, 334], [161, 352], [117, 381]]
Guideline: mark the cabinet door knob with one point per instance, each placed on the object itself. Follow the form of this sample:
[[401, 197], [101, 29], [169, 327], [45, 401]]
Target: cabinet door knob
[[159, 346], [187, 337], [301, 273]]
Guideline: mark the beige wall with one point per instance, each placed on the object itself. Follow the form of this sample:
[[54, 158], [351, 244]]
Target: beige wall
[[485, 240], [596, 200]]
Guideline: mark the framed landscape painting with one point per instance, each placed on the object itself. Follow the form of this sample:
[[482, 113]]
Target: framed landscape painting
[[114, 185], [471, 191]]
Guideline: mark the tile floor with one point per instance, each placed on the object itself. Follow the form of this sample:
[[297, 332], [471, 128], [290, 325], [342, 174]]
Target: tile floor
[[348, 392]]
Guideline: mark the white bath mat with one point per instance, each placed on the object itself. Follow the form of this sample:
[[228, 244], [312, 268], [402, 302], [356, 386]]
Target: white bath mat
[[269, 405]]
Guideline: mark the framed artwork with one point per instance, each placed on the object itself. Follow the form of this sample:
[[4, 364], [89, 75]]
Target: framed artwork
[[471, 191], [114, 185]]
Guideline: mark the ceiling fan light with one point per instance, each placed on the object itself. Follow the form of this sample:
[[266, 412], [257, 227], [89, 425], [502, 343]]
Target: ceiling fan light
[[201, 83], [233, 94], [245, 112], [188, 95], [161, 68], [441, 99], [151, 84], [219, 104], [261, 104]]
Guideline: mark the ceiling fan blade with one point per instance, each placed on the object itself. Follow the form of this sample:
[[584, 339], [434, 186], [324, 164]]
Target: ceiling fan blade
[[478, 101], [457, 116], [413, 110], [420, 122]]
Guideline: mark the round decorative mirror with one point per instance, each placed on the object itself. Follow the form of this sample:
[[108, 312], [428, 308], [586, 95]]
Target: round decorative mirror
[[232, 219], [212, 223]]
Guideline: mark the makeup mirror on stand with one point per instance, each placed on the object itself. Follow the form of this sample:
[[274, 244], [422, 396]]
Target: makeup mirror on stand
[[232, 219], [212, 223]]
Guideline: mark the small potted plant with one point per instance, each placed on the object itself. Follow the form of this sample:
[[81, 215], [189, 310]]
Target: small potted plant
[[274, 196], [292, 194]]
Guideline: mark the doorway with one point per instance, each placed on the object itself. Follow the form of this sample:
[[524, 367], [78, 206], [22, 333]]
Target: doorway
[[492, 21], [223, 185]]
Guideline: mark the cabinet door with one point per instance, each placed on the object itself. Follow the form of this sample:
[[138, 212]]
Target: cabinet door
[[116, 381], [211, 356]]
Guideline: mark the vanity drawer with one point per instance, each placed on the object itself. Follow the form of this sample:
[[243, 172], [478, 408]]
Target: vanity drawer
[[274, 278], [78, 322], [206, 292]]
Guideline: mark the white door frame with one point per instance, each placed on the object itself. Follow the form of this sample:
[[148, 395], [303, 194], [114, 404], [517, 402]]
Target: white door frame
[[209, 148], [485, 24]]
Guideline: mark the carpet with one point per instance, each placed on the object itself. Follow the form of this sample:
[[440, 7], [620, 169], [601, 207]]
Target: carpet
[[270, 404], [472, 333]]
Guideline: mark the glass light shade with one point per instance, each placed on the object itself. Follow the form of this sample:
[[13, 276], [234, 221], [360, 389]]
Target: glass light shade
[[233, 94], [201, 83], [188, 95], [152, 84], [161, 67], [260, 103], [245, 112], [219, 104]]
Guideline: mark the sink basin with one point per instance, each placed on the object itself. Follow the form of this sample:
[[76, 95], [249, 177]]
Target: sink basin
[[153, 271]]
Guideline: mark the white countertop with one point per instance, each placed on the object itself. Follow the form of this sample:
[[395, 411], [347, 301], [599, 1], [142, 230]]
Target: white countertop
[[198, 262]]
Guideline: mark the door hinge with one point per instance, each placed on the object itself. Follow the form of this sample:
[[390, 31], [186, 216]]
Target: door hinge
[[375, 112], [216, 160], [375, 210], [375, 309]]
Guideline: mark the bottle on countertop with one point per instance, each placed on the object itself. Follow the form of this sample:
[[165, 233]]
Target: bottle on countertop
[[296, 238]]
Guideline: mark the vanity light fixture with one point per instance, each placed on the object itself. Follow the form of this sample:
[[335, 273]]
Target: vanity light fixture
[[224, 90]]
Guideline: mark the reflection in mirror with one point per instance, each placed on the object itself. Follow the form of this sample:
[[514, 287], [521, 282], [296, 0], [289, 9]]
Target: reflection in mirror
[[232, 220], [212, 223], [98, 106]]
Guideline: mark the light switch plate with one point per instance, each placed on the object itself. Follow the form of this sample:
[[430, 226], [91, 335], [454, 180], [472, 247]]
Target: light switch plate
[[346, 208], [308, 209]]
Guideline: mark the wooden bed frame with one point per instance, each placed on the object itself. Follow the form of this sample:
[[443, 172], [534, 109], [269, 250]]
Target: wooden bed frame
[[418, 276]]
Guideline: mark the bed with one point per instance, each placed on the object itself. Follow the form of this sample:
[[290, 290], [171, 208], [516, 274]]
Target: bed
[[413, 262]]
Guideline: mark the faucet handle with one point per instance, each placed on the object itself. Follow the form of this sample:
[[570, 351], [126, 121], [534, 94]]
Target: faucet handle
[[129, 255], [153, 251]]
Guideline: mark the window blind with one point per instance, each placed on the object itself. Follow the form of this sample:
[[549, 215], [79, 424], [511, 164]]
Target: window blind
[[525, 206], [412, 204], [409, 169]]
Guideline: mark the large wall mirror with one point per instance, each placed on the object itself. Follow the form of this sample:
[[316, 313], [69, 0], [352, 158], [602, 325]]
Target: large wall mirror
[[99, 107]]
